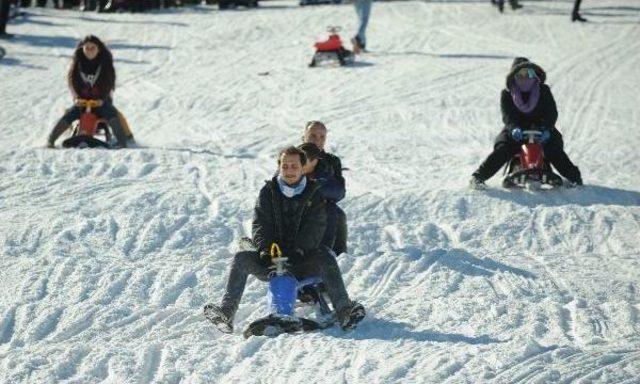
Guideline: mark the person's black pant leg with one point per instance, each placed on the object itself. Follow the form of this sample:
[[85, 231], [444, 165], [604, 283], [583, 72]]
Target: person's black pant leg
[[503, 150], [4, 15], [107, 111], [244, 264], [321, 263], [329, 237], [576, 7], [555, 154]]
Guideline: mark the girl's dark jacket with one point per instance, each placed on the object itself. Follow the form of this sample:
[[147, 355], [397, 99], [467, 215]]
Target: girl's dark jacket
[[329, 172], [296, 224], [104, 83], [544, 115]]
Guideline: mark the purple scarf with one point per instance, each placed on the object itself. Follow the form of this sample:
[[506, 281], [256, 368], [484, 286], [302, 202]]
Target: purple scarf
[[530, 86]]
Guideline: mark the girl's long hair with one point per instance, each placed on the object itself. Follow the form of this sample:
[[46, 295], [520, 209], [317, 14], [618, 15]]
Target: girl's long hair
[[106, 82]]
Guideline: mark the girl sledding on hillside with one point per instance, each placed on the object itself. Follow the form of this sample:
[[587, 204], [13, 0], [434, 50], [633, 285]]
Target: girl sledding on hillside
[[527, 104], [92, 77]]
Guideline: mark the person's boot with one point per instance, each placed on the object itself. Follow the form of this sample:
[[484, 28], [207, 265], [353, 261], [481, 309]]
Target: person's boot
[[116, 6], [576, 179], [500, 5], [109, 7], [351, 315], [219, 318], [476, 182], [576, 17], [357, 48], [514, 4], [118, 132]]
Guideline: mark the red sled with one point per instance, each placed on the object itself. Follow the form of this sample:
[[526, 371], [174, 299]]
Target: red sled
[[529, 169], [89, 126], [331, 51]]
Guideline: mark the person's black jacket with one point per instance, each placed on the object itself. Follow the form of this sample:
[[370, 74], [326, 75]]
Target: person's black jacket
[[545, 114], [329, 173], [330, 187], [296, 224]]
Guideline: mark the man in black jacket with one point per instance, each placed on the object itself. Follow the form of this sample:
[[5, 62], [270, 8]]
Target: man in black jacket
[[328, 164], [527, 103], [291, 213]]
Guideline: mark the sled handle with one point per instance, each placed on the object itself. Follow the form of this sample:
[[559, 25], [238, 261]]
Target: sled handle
[[531, 135], [275, 251], [88, 103]]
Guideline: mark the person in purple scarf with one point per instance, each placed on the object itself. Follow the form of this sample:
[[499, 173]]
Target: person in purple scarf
[[526, 103]]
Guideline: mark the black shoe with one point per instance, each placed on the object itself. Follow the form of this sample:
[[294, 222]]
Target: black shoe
[[350, 316], [514, 5], [357, 45], [477, 183], [577, 17], [577, 182], [219, 318]]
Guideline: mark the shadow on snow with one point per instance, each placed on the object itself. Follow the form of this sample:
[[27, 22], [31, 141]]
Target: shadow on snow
[[384, 329], [584, 196]]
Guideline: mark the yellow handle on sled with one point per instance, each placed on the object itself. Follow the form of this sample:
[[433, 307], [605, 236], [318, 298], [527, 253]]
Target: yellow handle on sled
[[275, 251]]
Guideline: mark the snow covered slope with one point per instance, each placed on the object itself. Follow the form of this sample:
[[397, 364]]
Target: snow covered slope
[[108, 256]]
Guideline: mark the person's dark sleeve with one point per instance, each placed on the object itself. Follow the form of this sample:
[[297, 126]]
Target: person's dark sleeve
[[510, 114], [312, 225], [336, 164], [549, 108], [331, 189], [263, 227]]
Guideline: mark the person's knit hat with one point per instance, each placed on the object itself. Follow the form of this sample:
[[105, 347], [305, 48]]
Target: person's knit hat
[[519, 60], [523, 62]]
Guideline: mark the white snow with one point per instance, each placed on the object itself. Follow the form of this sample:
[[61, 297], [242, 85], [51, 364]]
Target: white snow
[[109, 256]]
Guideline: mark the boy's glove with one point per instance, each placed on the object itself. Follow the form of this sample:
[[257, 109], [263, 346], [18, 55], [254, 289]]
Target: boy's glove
[[516, 134], [545, 136]]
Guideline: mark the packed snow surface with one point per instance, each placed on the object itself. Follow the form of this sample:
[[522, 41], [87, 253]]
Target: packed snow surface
[[108, 257]]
